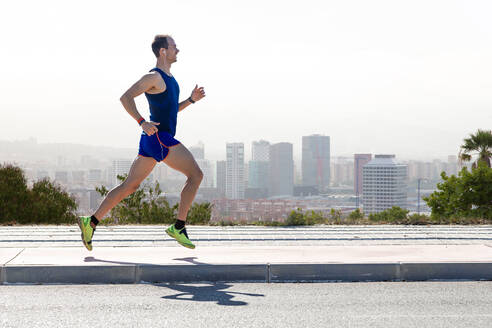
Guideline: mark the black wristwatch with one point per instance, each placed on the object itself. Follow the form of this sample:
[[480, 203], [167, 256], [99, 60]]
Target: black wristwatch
[[191, 100]]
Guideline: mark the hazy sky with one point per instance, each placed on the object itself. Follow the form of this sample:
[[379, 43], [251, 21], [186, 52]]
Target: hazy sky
[[411, 78]]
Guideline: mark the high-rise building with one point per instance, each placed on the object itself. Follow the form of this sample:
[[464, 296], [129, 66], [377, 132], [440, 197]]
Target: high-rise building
[[246, 174], [258, 167], [359, 161], [281, 173], [384, 184], [221, 177], [235, 170], [198, 151], [341, 173], [120, 167], [258, 174], [316, 161], [260, 151]]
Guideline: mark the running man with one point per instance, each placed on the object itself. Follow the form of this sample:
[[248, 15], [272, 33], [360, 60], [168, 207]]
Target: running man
[[157, 141]]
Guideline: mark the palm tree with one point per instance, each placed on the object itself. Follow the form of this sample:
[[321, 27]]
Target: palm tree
[[478, 144]]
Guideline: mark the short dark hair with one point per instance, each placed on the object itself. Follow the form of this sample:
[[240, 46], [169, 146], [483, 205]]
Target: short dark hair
[[160, 41]]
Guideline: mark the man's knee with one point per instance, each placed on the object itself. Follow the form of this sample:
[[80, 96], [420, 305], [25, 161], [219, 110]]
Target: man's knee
[[197, 175], [131, 187]]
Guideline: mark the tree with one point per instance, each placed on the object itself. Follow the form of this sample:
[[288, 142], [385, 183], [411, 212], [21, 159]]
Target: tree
[[46, 202], [51, 204], [14, 194], [467, 195], [479, 145]]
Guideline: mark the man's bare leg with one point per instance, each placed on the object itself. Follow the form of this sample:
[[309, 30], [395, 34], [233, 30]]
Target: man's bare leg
[[141, 168], [180, 159]]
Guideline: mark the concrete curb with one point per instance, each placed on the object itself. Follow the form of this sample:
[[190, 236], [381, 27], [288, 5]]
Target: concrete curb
[[193, 273], [334, 272], [110, 274], [446, 271], [342, 272]]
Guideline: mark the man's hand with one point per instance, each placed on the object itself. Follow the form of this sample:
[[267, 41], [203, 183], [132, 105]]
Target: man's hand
[[197, 93], [150, 127]]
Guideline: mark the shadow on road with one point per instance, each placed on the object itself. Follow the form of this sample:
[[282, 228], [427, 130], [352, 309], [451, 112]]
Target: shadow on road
[[209, 293], [189, 260], [93, 259]]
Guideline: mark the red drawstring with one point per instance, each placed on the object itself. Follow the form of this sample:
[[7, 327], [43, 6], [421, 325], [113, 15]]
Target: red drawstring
[[160, 140]]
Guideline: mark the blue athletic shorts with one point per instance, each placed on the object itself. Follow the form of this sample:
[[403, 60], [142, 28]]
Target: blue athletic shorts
[[157, 145]]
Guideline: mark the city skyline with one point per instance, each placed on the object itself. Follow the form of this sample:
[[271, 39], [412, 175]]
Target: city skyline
[[270, 176], [221, 153]]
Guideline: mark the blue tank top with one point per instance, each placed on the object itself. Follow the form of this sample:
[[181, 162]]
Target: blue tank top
[[164, 105]]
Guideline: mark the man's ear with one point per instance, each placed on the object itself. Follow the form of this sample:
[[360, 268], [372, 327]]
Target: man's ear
[[162, 52]]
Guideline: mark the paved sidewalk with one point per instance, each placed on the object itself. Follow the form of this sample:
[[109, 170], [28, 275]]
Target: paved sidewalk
[[150, 236], [134, 254]]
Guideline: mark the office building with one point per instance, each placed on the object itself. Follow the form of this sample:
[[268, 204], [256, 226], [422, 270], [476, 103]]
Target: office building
[[235, 170], [260, 151], [316, 161], [221, 174], [359, 161], [281, 170], [384, 184]]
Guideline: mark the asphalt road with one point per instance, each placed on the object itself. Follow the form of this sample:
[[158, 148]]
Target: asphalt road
[[388, 304]]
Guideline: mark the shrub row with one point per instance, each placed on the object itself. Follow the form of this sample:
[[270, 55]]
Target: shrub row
[[394, 215]]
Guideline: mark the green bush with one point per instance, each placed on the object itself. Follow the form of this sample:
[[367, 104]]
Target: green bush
[[14, 195], [51, 204], [314, 217], [295, 218], [44, 203], [393, 215], [416, 219], [335, 216], [199, 213], [147, 206], [468, 195], [357, 214]]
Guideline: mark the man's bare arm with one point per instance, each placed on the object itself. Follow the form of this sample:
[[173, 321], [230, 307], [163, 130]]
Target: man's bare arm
[[197, 94], [146, 83]]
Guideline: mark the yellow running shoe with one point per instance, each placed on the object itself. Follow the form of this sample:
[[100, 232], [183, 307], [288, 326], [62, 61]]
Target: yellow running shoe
[[84, 223], [181, 236]]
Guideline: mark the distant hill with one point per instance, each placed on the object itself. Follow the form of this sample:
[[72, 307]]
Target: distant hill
[[30, 150]]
